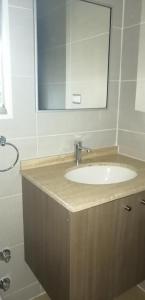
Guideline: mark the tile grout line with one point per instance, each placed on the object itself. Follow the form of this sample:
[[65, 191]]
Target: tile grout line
[[60, 134], [120, 73], [37, 297], [22, 76], [134, 80], [77, 132], [131, 156], [17, 245], [20, 290], [134, 25], [132, 131], [67, 82], [20, 7], [70, 43], [36, 76], [10, 196]]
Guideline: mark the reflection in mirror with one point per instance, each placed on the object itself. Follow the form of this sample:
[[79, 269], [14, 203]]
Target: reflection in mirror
[[72, 54]]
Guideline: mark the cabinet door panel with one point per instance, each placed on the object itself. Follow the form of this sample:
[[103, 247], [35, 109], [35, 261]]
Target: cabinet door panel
[[92, 244], [128, 241], [141, 237]]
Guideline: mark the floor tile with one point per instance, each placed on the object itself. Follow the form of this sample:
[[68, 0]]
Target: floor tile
[[133, 294]]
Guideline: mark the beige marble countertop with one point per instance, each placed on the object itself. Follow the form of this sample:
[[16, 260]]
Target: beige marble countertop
[[75, 196]]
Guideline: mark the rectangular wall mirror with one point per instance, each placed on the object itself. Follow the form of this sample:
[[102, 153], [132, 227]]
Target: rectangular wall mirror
[[73, 40]]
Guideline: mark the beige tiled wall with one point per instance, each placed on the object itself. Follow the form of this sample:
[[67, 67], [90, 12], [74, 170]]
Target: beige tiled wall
[[131, 134], [42, 134], [21, 130], [131, 138]]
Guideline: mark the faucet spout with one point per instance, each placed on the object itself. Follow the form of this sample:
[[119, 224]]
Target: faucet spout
[[78, 149]]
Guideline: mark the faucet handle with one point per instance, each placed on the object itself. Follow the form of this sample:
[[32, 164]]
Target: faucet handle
[[78, 143], [86, 149], [79, 146]]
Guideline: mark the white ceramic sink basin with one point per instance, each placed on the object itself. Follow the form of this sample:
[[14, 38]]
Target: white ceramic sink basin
[[101, 174]]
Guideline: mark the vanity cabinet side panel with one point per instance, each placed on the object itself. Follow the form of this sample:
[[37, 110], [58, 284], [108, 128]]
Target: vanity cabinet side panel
[[93, 233], [46, 236], [141, 242]]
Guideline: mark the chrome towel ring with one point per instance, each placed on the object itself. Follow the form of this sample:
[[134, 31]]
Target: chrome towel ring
[[3, 143]]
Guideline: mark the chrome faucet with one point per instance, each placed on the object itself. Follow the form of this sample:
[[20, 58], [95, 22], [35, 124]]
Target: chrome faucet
[[78, 149]]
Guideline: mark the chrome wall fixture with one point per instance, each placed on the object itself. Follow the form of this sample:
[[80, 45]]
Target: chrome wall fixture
[[5, 283], [5, 255], [3, 143]]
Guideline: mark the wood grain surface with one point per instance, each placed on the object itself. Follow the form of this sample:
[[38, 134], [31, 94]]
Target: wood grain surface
[[46, 235], [96, 254]]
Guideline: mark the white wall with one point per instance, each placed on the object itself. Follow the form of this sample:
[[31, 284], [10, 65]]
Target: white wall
[[132, 123]]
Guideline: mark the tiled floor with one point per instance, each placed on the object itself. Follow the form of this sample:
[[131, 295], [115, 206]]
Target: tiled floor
[[134, 294], [44, 297]]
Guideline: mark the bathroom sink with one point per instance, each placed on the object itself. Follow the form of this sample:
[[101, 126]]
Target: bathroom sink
[[101, 174]]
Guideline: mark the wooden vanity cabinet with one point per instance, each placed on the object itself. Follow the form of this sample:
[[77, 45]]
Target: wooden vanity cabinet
[[94, 254]]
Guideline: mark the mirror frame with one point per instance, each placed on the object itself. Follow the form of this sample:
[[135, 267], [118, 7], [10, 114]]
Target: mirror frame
[[97, 2]]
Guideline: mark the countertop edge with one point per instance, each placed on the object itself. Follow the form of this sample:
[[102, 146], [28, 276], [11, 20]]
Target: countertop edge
[[88, 205]]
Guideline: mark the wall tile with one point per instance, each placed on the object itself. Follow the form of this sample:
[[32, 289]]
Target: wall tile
[[133, 65], [22, 3], [28, 292], [23, 123], [27, 147], [100, 139], [18, 270], [130, 53], [115, 52], [11, 217], [129, 118], [44, 297], [141, 52], [53, 145], [59, 144], [10, 182], [140, 96], [132, 143], [132, 137], [142, 285], [22, 42], [143, 11], [133, 10]]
